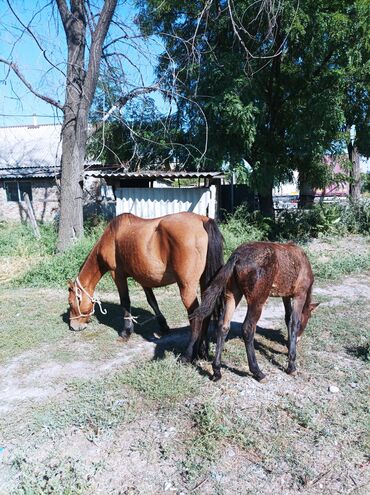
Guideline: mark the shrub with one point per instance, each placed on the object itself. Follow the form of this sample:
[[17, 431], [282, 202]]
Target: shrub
[[55, 269], [243, 226], [19, 240]]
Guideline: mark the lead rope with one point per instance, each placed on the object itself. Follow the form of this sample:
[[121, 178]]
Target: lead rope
[[94, 300]]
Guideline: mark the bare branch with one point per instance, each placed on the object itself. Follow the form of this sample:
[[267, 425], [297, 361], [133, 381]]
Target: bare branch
[[98, 37], [19, 74], [121, 103], [64, 12], [27, 28]]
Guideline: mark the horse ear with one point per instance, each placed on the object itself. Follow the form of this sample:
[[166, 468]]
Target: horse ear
[[70, 283], [313, 306]]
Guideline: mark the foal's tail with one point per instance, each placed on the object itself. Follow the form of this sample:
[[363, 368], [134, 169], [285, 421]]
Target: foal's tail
[[215, 290], [215, 255]]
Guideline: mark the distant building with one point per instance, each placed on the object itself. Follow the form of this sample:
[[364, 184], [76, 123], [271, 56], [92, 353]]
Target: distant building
[[29, 162]]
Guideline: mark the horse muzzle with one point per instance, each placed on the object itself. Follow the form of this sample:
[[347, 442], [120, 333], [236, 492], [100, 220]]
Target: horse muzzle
[[76, 326]]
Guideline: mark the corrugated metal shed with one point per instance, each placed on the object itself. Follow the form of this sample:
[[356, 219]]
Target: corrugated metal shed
[[153, 174]]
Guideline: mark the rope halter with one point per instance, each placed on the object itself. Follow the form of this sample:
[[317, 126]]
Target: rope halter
[[78, 289]]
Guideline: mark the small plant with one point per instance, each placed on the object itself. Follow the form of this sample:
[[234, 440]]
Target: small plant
[[243, 226], [210, 430], [66, 477], [163, 380]]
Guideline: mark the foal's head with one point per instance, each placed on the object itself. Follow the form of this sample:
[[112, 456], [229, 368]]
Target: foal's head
[[306, 315], [81, 306]]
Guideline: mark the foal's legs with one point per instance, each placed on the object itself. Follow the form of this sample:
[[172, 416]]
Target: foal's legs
[[294, 325], [249, 329], [232, 300], [152, 301]]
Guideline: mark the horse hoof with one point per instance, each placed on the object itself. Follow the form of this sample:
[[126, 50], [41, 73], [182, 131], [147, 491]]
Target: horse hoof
[[260, 377], [122, 339], [184, 360], [291, 371], [216, 377]]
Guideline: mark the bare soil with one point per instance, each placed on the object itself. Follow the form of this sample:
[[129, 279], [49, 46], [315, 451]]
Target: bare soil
[[288, 435]]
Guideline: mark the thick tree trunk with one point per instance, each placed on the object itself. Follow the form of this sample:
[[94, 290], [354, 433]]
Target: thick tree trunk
[[266, 203], [74, 137], [355, 174], [81, 83], [306, 193]]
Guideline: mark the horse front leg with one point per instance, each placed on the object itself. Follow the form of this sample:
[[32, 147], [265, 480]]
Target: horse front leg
[[128, 324], [294, 326], [152, 301], [232, 300]]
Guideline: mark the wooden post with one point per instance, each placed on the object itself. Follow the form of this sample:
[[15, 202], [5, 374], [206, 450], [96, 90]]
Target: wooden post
[[31, 216]]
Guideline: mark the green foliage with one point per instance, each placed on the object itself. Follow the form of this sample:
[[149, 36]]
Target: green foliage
[[54, 269], [284, 107], [243, 226], [365, 181], [19, 240], [323, 219]]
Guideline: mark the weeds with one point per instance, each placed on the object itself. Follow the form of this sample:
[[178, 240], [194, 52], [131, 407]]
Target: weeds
[[92, 406], [164, 380], [66, 477]]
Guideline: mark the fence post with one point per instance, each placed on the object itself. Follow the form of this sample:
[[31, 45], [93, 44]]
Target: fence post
[[31, 216]]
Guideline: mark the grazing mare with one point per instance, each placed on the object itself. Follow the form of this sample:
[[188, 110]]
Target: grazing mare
[[259, 270], [183, 248]]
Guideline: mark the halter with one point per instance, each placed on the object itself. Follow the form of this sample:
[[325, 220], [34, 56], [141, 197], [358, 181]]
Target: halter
[[78, 292]]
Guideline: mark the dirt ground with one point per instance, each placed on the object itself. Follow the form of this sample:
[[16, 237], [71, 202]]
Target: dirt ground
[[75, 417]]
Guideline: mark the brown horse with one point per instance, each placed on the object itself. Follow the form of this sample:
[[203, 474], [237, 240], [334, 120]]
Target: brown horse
[[259, 270], [183, 248]]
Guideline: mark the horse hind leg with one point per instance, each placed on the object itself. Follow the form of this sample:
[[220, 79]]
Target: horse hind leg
[[190, 301], [152, 301], [288, 313], [249, 330], [294, 325]]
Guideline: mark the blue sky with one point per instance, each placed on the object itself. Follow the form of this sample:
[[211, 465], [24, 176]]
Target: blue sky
[[17, 103]]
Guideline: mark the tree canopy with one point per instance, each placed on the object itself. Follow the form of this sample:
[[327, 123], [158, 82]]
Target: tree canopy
[[275, 83]]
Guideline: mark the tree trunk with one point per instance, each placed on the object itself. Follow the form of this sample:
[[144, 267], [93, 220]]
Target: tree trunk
[[81, 83], [74, 137], [355, 173], [266, 203], [74, 132], [306, 193]]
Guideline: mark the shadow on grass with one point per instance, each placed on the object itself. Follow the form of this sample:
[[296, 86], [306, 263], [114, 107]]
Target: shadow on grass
[[360, 351], [175, 341]]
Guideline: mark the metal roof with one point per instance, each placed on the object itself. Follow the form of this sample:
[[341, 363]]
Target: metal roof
[[29, 172], [153, 174], [30, 151]]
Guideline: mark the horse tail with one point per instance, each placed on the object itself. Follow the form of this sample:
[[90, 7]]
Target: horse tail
[[211, 296], [215, 257]]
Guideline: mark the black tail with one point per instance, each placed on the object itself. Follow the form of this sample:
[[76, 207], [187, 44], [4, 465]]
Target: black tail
[[215, 256], [215, 289]]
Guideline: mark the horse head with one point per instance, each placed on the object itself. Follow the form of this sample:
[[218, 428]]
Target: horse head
[[306, 315], [81, 305]]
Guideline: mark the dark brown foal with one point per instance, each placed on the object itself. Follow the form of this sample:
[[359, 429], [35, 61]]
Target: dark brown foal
[[258, 270]]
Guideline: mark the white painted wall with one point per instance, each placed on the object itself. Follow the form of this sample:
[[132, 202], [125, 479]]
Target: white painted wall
[[156, 202]]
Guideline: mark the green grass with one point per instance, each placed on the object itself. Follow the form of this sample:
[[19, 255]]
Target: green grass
[[64, 477], [94, 406], [166, 381]]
